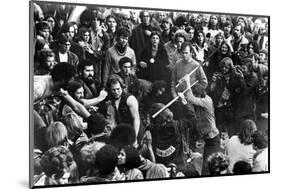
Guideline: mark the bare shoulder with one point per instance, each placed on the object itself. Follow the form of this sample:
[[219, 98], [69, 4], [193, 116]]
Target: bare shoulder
[[131, 100]]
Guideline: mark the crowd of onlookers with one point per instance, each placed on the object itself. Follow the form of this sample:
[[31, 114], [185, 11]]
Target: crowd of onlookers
[[102, 78]]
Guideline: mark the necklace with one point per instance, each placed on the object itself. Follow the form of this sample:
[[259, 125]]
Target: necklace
[[120, 53]]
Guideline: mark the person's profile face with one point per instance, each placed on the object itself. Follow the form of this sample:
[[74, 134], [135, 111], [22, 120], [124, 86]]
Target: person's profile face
[[145, 18], [133, 15], [126, 19], [126, 68], [71, 31], [123, 41], [200, 38], [79, 93], [245, 70], [50, 62], [262, 56], [51, 21], [65, 47], [155, 40], [224, 68], [121, 158], [186, 53], [116, 90], [227, 29], [179, 42], [45, 33], [86, 36], [219, 40], [111, 23], [224, 49], [96, 23], [190, 34], [214, 20], [88, 72], [165, 25], [237, 31]]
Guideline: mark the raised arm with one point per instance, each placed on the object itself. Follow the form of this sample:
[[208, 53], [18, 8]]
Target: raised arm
[[95, 101], [76, 106]]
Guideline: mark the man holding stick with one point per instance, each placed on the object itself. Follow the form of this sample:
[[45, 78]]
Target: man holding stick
[[206, 125], [186, 67]]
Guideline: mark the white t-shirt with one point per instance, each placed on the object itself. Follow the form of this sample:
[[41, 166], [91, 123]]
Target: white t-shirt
[[237, 151], [63, 57], [261, 161]]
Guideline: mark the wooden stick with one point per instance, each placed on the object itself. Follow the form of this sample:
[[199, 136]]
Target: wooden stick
[[200, 64], [172, 101]]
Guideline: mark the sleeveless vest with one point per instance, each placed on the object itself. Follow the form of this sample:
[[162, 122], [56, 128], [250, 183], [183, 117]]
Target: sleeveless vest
[[123, 114]]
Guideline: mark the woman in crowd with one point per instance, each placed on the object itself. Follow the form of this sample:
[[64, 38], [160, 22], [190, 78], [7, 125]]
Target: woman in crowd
[[54, 25], [154, 59], [83, 39], [239, 147], [200, 47], [213, 28], [56, 166], [129, 160], [220, 93], [223, 51]]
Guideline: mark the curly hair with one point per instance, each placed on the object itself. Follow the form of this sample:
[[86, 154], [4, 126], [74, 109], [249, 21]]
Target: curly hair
[[217, 162], [56, 160], [132, 157], [106, 159], [181, 33]]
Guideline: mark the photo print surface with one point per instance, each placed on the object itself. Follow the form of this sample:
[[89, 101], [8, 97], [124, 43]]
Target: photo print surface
[[121, 94]]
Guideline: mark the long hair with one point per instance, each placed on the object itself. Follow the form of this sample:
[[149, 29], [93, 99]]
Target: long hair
[[157, 171], [165, 115], [248, 128], [81, 32], [56, 134]]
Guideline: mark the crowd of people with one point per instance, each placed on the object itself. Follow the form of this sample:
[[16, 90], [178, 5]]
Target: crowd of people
[[102, 78]]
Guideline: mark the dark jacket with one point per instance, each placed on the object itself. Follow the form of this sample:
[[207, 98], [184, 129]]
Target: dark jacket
[[139, 40], [72, 58], [158, 69]]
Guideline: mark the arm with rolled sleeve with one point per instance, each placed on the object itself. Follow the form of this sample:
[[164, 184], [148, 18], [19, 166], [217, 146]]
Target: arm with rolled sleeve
[[201, 76]]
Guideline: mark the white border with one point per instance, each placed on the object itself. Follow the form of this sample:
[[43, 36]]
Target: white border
[[15, 93]]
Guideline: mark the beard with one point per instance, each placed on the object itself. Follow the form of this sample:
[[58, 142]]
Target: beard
[[89, 79]]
